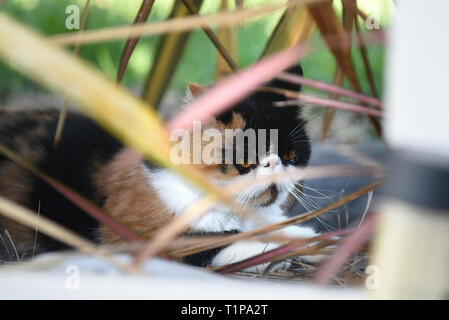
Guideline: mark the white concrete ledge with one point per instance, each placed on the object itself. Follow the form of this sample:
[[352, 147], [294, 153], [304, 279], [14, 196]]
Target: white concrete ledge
[[77, 276]]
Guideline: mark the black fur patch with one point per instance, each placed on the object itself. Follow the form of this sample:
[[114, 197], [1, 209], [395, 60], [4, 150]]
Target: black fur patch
[[72, 163], [259, 113], [203, 259]]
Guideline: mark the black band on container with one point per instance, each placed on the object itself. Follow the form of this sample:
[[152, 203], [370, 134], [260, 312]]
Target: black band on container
[[419, 179]]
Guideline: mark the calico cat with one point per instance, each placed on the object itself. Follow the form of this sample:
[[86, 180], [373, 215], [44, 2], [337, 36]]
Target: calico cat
[[140, 194]]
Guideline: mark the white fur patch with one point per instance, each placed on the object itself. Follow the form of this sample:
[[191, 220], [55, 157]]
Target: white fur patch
[[178, 195], [299, 232], [243, 250]]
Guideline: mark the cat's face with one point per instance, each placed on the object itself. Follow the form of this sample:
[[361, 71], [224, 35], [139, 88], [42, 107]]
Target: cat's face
[[286, 145]]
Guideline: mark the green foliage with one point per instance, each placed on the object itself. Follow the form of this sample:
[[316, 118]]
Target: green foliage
[[198, 62]]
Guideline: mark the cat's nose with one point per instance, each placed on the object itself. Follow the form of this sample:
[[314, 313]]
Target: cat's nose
[[272, 161]]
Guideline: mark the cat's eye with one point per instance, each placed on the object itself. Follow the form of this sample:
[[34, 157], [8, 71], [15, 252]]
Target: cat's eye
[[245, 165], [289, 156]]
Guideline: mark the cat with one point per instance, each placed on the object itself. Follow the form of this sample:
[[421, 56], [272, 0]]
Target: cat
[[143, 195]]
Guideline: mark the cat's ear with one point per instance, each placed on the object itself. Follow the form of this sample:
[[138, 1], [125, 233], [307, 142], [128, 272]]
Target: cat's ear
[[195, 90], [295, 70]]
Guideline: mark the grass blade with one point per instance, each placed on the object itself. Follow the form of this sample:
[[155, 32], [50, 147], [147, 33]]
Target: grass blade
[[110, 105], [277, 226], [236, 87], [285, 252], [225, 56], [330, 113], [168, 54], [349, 246], [172, 25], [74, 197], [366, 64], [227, 39], [130, 45], [329, 24], [348, 20], [76, 51], [301, 99], [32, 220], [295, 26], [337, 90]]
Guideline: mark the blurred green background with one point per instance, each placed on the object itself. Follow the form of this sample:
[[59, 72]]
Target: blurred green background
[[198, 62]]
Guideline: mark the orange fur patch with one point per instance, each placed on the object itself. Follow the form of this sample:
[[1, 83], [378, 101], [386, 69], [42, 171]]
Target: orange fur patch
[[195, 89], [130, 197], [214, 170]]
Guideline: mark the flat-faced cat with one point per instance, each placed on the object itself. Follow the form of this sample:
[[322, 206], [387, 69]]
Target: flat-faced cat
[[141, 195]]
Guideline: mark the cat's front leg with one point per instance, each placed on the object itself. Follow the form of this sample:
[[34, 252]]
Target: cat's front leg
[[243, 250]]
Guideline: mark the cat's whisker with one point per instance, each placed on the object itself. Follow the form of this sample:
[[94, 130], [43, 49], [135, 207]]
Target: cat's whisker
[[245, 197], [317, 189], [326, 225], [313, 117], [301, 201], [322, 195], [299, 141], [294, 129], [302, 128], [315, 206], [309, 201], [309, 207], [304, 201]]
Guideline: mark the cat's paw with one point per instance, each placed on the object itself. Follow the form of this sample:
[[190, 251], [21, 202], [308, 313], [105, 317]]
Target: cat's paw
[[243, 250], [308, 232], [319, 258], [315, 259], [299, 232]]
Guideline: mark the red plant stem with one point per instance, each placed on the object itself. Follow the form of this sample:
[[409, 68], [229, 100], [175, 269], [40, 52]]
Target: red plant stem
[[330, 88], [235, 87], [349, 246], [131, 43], [239, 85], [272, 254], [91, 209], [333, 104]]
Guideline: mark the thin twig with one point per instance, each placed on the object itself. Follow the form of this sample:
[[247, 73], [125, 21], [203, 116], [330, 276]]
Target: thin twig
[[73, 196], [35, 233], [317, 101], [172, 25], [345, 250], [141, 17], [323, 86], [76, 51], [213, 38], [28, 218], [12, 244], [6, 247]]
